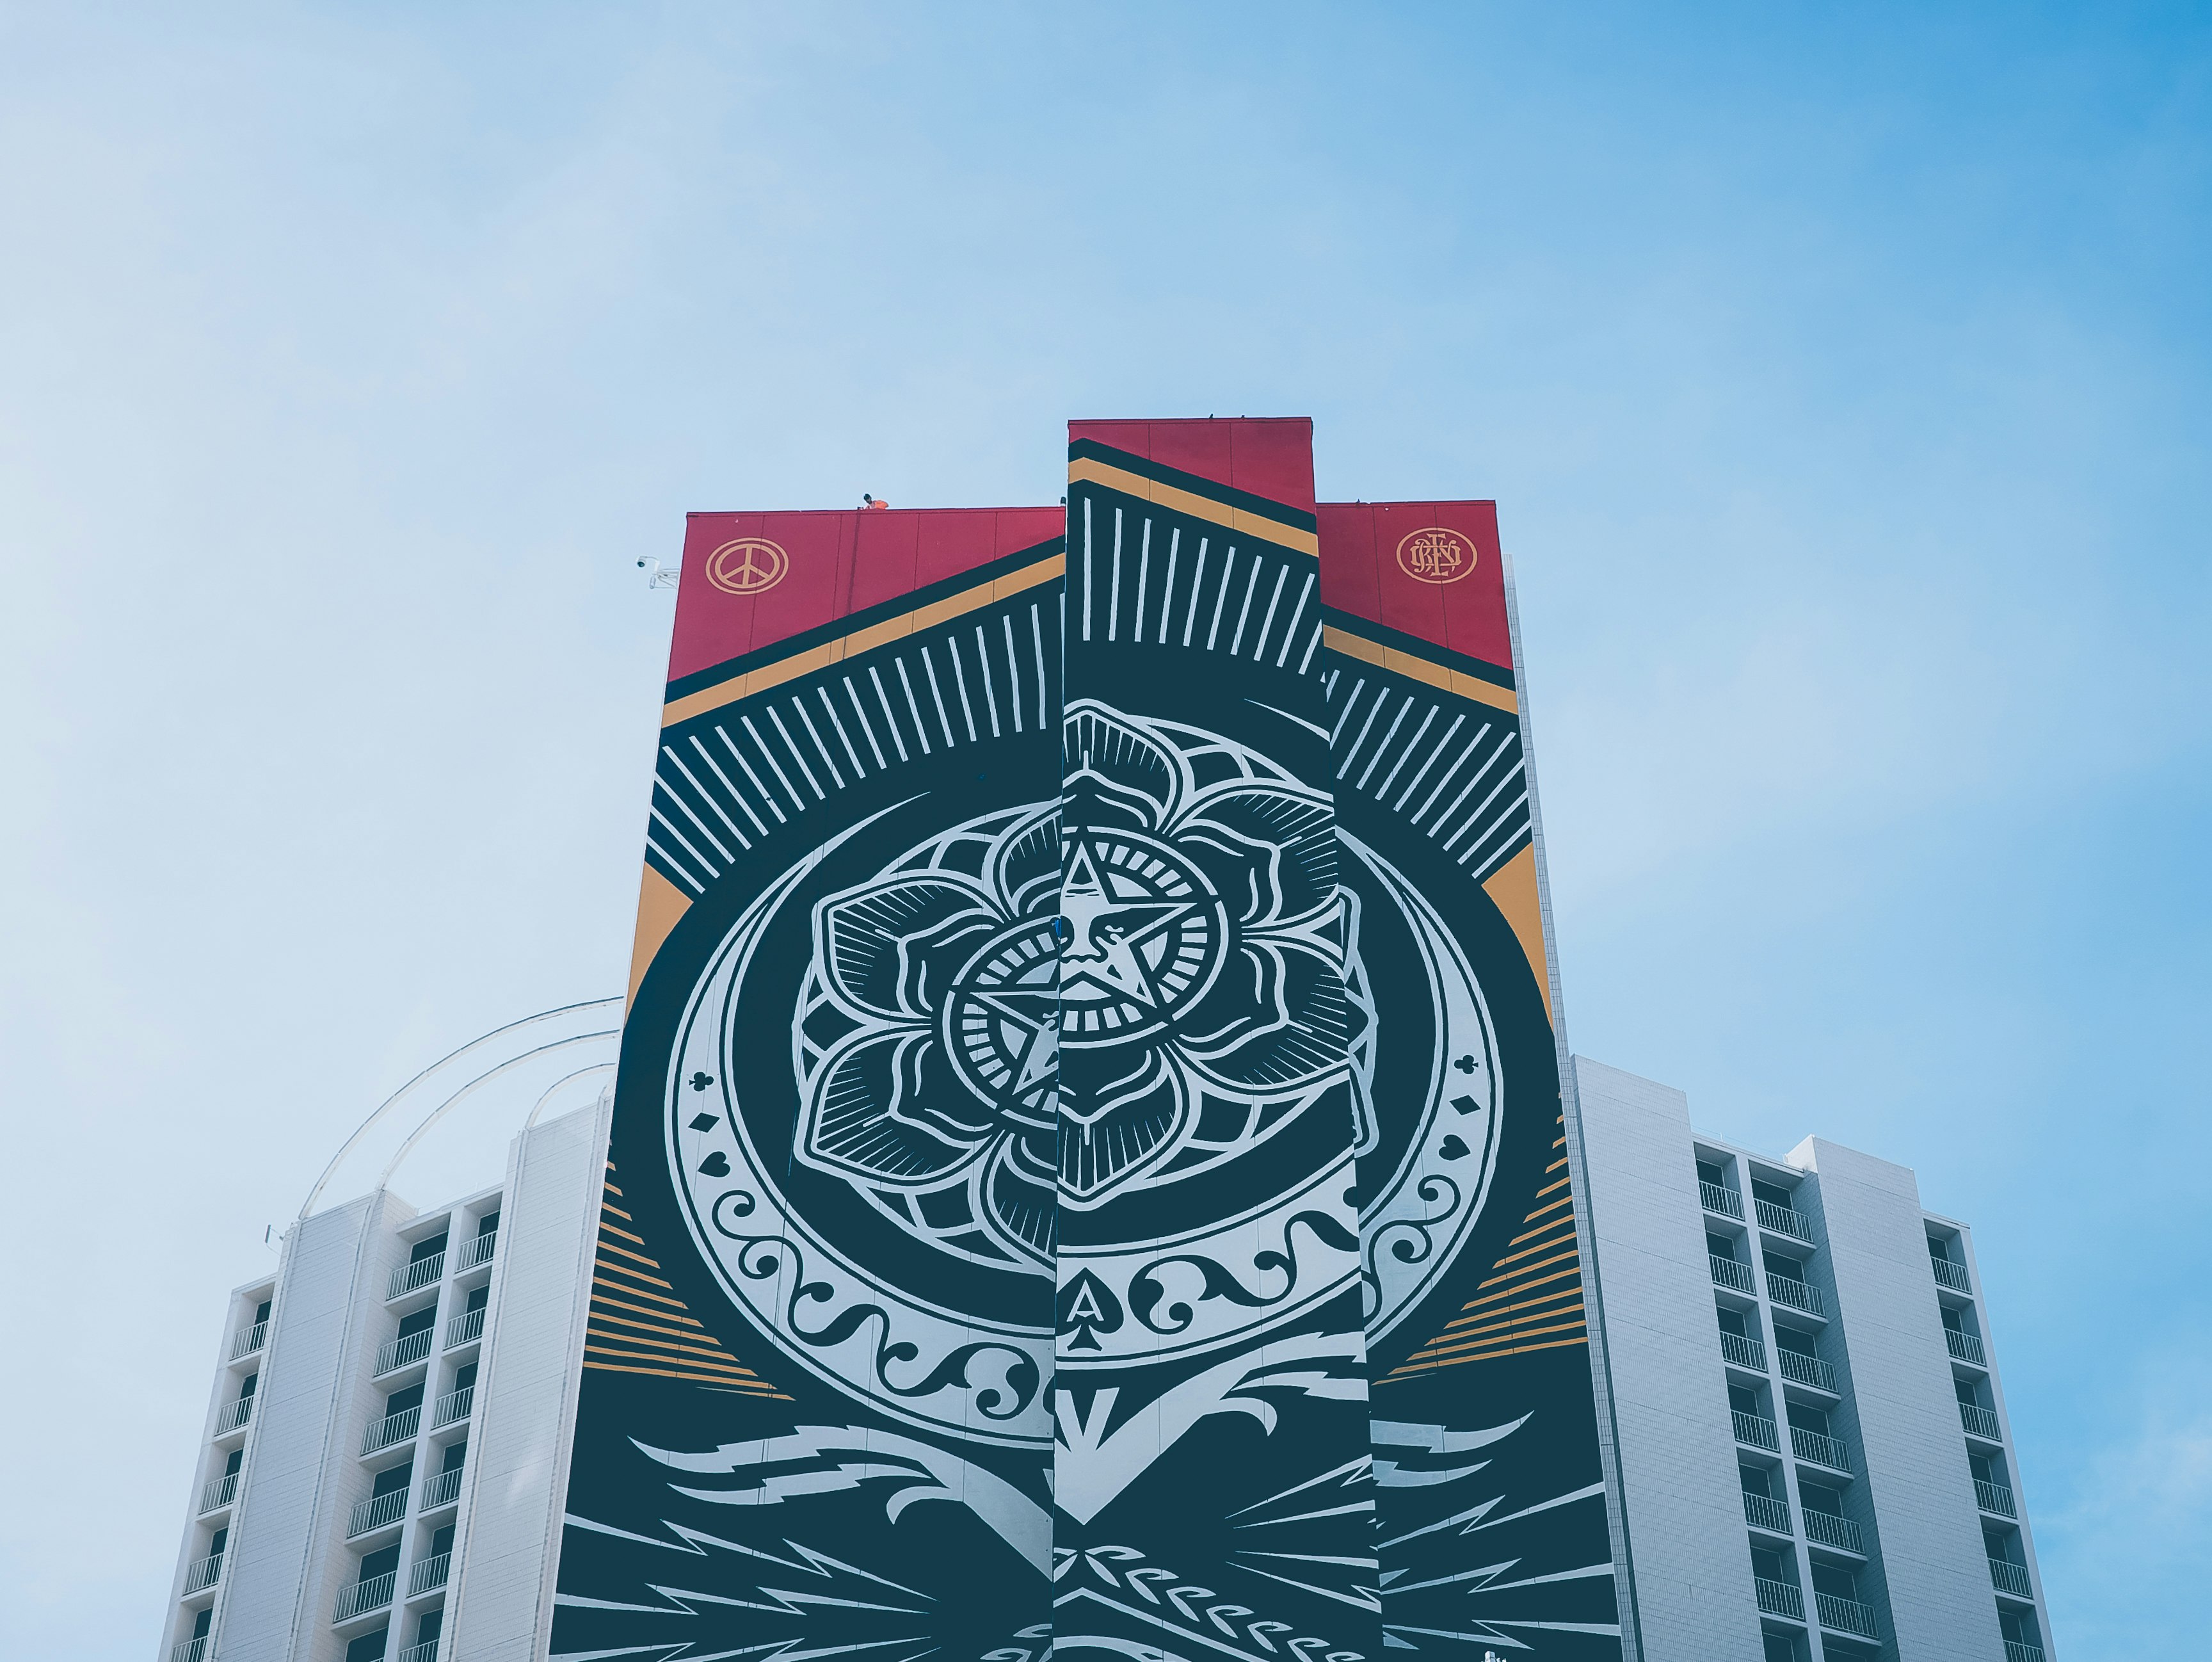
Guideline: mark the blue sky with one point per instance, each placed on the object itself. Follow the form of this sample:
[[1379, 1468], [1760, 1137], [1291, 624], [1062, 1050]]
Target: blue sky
[[1840, 373]]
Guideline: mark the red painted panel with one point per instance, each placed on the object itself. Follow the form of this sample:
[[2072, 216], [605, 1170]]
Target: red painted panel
[[1366, 557], [836, 563], [1269, 456]]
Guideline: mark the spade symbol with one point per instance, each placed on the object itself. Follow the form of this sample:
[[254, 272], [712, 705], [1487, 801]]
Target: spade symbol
[[700, 1081], [1088, 1308], [716, 1165], [1452, 1149]]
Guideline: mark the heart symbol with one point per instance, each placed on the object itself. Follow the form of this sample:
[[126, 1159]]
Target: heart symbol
[[717, 1165], [1450, 1148]]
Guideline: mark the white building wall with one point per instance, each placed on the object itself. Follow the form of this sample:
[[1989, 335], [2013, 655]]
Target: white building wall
[[1933, 1560], [500, 1602], [1682, 1502]]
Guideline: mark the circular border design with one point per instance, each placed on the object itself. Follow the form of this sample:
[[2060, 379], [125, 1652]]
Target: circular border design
[[1462, 543], [778, 564]]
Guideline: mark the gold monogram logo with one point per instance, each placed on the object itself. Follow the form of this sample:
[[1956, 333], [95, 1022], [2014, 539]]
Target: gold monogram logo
[[1435, 555], [751, 565]]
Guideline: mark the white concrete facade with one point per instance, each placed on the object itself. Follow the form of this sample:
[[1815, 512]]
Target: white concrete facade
[[406, 1400], [1814, 1460]]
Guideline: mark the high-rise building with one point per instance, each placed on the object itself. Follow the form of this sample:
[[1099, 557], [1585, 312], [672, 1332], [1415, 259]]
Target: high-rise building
[[1095, 1165]]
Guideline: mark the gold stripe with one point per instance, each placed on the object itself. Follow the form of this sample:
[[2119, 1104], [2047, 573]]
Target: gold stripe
[[634, 1292], [1419, 669], [623, 1252], [598, 1298], [1476, 1337], [1414, 1369], [757, 1388], [624, 1269], [862, 640], [1197, 507], [720, 1358], [701, 1335]]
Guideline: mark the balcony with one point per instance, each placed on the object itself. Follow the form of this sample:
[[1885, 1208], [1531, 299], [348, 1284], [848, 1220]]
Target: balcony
[[1995, 1499], [399, 1353], [1808, 1371], [1964, 1347], [2018, 1650], [378, 1511], [219, 1493], [203, 1574], [392, 1428], [442, 1490], [428, 1575], [1795, 1294], [1764, 1512], [1952, 1276], [1779, 1598], [1846, 1615], [249, 1340], [1727, 1272], [464, 1329], [362, 1597], [1820, 1450], [477, 1251], [2008, 1577], [411, 1277], [1831, 1531], [425, 1652], [234, 1417], [195, 1650], [1724, 1202], [1744, 1353], [1755, 1432], [453, 1406], [1783, 1220], [1979, 1422]]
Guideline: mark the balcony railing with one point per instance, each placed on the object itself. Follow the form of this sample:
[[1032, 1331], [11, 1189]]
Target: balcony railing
[[392, 1428], [1718, 1198], [464, 1329], [1831, 1531], [1727, 1272], [1845, 1614], [1807, 1370], [1979, 1420], [2018, 1650], [219, 1493], [1743, 1352], [441, 1490], [2008, 1577], [1820, 1450], [425, 1652], [234, 1415], [1764, 1512], [364, 1597], [377, 1511], [189, 1650], [477, 1251], [1779, 1598], [453, 1405], [1755, 1431], [1784, 1289], [1783, 1221], [1995, 1497], [428, 1575], [203, 1574], [421, 1273], [249, 1340], [408, 1348], [1965, 1347], [1952, 1276]]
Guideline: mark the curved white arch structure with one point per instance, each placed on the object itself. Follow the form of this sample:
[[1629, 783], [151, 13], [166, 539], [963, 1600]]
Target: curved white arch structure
[[460, 1075]]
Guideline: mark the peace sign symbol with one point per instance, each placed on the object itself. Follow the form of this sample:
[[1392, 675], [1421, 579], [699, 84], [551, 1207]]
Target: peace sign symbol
[[751, 565]]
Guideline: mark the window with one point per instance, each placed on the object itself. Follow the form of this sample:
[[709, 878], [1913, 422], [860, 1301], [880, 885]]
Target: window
[[1754, 1480], [400, 1401], [1773, 1193], [1940, 1250], [248, 1386], [442, 1542], [392, 1478], [488, 1225], [1731, 1321], [1719, 1245], [1968, 1392], [1808, 1419], [1783, 1646], [203, 1621], [1835, 1580], [465, 1377], [2018, 1627], [369, 1647], [1792, 1269], [455, 1456], [477, 1300], [217, 1542], [427, 1629], [231, 1465], [1795, 1341], [425, 1251], [381, 1563], [1952, 1320], [1709, 1173], [1743, 1400], [1769, 1565], [1819, 1497], [1985, 1470], [261, 1312]]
